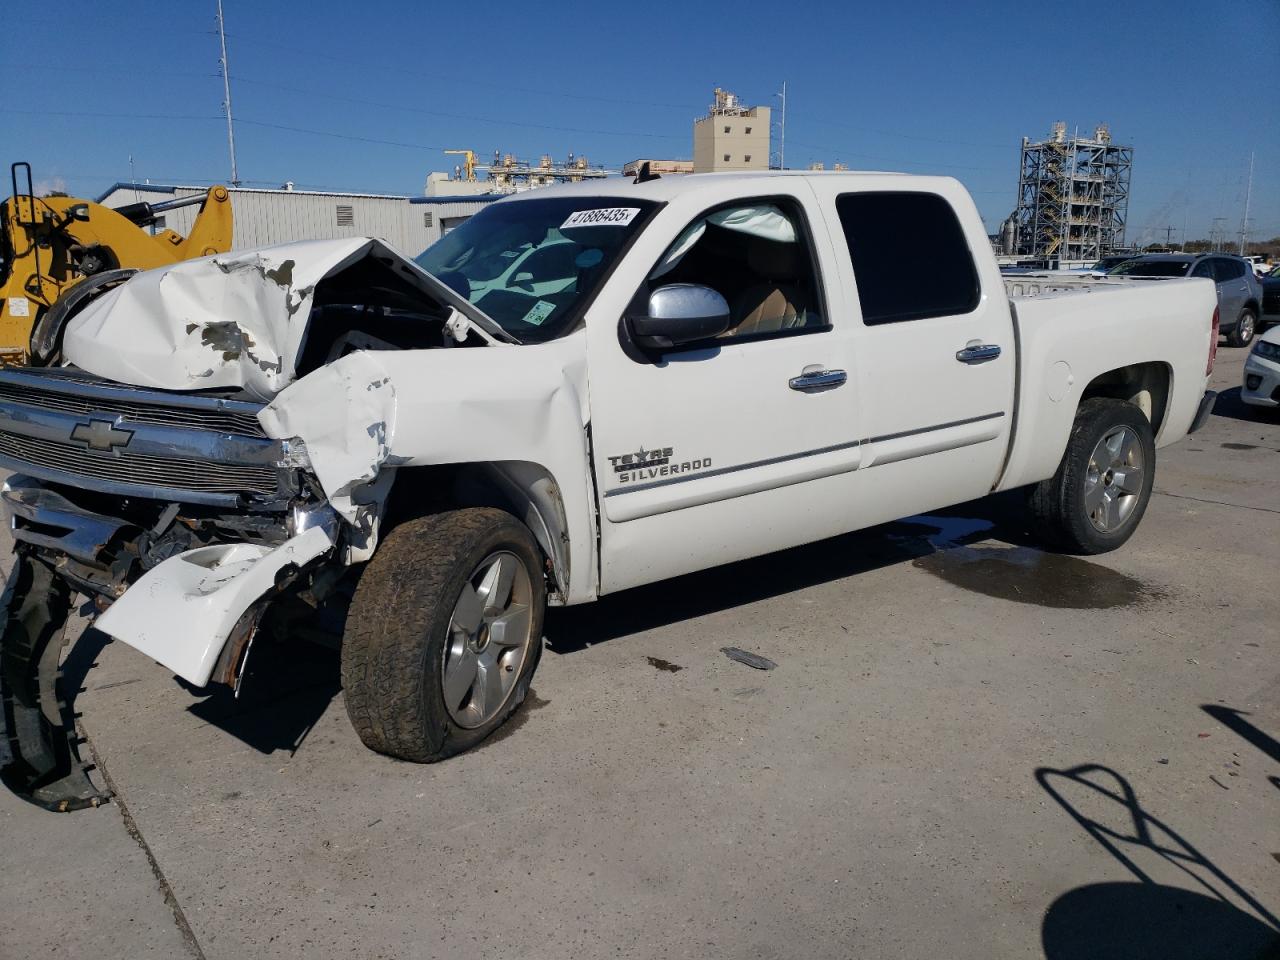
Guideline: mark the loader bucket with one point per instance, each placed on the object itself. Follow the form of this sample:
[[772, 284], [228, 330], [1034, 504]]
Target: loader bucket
[[43, 766]]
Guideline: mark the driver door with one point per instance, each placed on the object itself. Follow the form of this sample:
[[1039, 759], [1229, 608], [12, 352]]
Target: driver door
[[735, 446]]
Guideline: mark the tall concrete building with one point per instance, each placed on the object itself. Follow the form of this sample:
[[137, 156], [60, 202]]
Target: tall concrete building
[[731, 136]]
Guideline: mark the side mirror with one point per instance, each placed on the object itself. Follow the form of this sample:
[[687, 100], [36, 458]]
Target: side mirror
[[680, 313]]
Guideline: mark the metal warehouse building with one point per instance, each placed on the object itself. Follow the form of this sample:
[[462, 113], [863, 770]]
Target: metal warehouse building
[[266, 217]]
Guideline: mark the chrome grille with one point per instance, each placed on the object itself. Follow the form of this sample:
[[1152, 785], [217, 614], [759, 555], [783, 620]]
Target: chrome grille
[[223, 421], [204, 476]]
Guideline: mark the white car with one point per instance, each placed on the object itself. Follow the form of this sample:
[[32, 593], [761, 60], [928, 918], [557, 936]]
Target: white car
[[1261, 386], [726, 365]]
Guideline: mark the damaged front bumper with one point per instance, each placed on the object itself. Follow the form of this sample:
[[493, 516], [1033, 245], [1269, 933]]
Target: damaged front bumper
[[175, 514], [213, 592], [195, 612]]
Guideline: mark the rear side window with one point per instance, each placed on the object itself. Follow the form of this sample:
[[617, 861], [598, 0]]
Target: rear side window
[[885, 233], [1224, 269]]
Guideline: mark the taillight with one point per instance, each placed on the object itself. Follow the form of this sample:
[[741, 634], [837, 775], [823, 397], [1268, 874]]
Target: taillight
[[1213, 343]]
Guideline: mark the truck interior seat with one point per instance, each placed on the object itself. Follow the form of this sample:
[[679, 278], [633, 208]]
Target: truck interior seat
[[777, 301]]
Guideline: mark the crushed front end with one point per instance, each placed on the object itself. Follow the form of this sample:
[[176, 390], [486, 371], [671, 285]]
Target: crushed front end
[[181, 495]]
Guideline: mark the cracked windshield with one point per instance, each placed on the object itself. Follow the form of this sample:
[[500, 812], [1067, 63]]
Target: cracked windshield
[[532, 266]]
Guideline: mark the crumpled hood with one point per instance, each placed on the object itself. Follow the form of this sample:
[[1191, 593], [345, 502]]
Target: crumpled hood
[[234, 320]]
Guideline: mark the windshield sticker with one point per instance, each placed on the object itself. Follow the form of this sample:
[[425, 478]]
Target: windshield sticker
[[603, 217], [538, 313]]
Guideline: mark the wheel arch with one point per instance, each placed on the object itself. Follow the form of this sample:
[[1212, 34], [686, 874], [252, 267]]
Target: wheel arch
[[522, 488], [1148, 386]]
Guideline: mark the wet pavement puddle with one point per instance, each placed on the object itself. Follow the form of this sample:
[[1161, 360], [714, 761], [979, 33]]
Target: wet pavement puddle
[[1024, 574]]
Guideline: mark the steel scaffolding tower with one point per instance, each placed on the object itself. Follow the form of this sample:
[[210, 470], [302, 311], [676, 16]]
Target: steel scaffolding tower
[[1073, 196]]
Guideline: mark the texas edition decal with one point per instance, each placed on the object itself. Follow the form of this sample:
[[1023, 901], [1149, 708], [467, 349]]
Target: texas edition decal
[[653, 465]]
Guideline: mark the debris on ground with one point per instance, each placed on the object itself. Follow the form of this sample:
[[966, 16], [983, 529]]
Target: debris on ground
[[667, 665], [753, 660]]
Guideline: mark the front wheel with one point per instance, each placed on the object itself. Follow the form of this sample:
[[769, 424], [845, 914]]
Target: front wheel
[[443, 634], [1242, 335], [1096, 499]]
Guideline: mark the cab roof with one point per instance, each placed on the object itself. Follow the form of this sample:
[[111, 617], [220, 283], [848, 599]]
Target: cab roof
[[668, 187]]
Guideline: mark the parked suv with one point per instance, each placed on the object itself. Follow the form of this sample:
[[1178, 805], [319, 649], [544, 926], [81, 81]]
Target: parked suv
[[1239, 292], [1270, 298]]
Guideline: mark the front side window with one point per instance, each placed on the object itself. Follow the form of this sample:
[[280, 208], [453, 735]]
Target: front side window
[[882, 230], [533, 265], [757, 256]]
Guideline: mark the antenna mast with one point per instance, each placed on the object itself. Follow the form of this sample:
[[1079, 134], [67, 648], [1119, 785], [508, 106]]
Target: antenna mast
[[1244, 221], [226, 92]]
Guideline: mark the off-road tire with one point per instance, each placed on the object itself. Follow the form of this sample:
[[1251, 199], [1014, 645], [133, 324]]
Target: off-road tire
[[397, 627], [1246, 328], [1058, 505]]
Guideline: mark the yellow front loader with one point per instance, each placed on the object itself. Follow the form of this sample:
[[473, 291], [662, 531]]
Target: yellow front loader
[[59, 250]]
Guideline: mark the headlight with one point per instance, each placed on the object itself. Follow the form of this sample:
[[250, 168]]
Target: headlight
[[1266, 350]]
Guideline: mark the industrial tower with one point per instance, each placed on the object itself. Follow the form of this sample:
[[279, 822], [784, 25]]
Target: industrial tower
[[1073, 196]]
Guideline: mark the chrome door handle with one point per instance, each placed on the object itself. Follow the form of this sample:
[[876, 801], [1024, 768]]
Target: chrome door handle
[[815, 381], [978, 353]]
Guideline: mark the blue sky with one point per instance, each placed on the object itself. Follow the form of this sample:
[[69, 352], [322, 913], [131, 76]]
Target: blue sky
[[365, 96]]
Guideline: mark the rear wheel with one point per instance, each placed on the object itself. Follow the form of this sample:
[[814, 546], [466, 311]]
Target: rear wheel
[[1098, 496], [443, 634], [1246, 327]]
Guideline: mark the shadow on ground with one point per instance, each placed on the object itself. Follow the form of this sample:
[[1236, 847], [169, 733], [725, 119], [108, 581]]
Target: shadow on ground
[[1145, 919], [1012, 569], [1230, 405], [287, 689]]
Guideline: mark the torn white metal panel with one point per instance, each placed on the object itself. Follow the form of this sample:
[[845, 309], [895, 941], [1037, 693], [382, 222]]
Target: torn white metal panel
[[345, 414], [181, 612], [233, 320], [468, 406], [492, 406]]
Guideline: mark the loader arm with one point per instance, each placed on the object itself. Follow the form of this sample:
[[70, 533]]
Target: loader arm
[[49, 245]]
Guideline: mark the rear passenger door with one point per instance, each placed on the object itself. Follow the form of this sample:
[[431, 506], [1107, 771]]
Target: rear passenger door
[[934, 343]]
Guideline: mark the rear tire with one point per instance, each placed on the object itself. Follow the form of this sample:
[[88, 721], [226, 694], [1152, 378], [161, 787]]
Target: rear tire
[[443, 594], [1098, 496], [1246, 327]]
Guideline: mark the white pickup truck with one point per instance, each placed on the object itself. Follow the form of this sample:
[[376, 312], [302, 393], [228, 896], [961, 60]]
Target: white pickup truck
[[580, 390]]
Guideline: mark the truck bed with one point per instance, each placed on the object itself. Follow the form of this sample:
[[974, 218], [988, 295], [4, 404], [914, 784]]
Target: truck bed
[[1024, 286]]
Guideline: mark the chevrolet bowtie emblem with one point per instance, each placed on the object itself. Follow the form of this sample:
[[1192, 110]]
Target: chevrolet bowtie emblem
[[101, 435]]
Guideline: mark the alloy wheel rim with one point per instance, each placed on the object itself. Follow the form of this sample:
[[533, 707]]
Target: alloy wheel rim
[[1246, 327], [1113, 481], [489, 638]]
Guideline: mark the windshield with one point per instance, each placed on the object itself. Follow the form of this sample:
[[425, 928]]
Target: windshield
[[1150, 268], [532, 265]]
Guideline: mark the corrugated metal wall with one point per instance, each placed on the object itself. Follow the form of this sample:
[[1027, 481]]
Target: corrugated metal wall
[[267, 217]]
